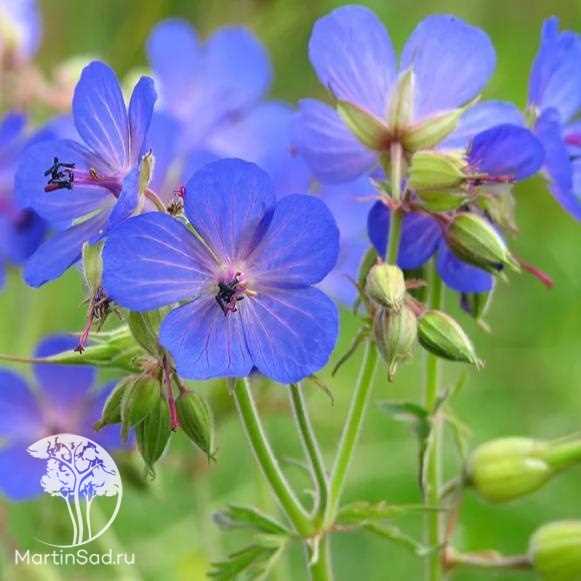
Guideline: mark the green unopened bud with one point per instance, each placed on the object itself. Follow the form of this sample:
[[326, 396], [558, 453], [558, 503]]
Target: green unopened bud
[[475, 240], [111, 413], [443, 336], [139, 399], [401, 103], [153, 435], [555, 551], [145, 328], [396, 334], [93, 266], [508, 468], [498, 202], [196, 420], [428, 133], [370, 130], [386, 285]]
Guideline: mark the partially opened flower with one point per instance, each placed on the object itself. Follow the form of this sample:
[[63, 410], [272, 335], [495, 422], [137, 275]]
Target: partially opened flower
[[555, 104], [83, 188], [246, 276], [21, 231], [444, 65], [504, 154], [65, 400], [212, 106]]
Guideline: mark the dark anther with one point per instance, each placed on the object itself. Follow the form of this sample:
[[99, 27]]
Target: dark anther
[[226, 296], [61, 176]]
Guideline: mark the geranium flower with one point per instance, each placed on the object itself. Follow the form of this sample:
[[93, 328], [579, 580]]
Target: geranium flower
[[21, 231], [65, 400], [212, 106], [555, 101], [83, 188], [353, 57], [506, 152], [246, 276]]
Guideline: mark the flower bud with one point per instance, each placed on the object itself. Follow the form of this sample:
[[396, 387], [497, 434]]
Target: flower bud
[[475, 240], [111, 413], [401, 103], [196, 420], [386, 285], [153, 434], [396, 334], [555, 551], [139, 399], [508, 468], [370, 131], [442, 335]]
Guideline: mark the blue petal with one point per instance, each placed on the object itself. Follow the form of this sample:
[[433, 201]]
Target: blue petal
[[128, 199], [61, 251], [290, 333], [23, 17], [555, 80], [452, 62], [506, 150], [460, 276], [20, 415], [331, 150], [299, 247], [140, 111], [21, 235], [100, 115], [573, 138], [482, 116], [63, 387], [12, 128], [353, 57], [174, 54], [558, 166], [204, 343], [419, 238], [238, 70], [151, 261], [263, 136], [62, 205], [226, 202], [20, 473]]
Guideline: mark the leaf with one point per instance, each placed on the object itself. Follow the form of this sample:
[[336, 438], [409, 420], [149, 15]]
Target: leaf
[[397, 536], [256, 560], [235, 516], [362, 512]]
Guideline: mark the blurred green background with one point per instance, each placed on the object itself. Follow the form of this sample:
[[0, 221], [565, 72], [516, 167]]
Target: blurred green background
[[530, 385]]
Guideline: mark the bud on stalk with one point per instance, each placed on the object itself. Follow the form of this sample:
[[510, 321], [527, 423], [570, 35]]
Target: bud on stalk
[[396, 334], [139, 400], [111, 413], [474, 240], [443, 336], [555, 551], [386, 286], [153, 434], [196, 420]]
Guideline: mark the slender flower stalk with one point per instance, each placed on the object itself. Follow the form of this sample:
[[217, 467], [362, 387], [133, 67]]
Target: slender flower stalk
[[312, 448], [432, 478]]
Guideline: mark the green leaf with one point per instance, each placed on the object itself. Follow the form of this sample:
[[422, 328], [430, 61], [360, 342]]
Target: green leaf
[[362, 512], [235, 516]]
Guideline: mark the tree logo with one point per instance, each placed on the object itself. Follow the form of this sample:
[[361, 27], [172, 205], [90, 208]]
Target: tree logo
[[80, 472]]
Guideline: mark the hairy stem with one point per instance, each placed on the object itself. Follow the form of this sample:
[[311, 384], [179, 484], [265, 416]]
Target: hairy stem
[[321, 570], [311, 446], [266, 459], [432, 477]]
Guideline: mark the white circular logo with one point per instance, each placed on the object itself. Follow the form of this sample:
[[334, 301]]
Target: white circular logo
[[80, 472]]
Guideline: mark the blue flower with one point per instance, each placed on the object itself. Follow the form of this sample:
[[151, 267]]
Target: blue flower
[[212, 106], [246, 276], [555, 102], [83, 188], [21, 231], [508, 153], [353, 57], [21, 30], [64, 401]]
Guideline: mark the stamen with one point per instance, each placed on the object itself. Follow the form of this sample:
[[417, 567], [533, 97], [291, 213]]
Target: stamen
[[230, 293]]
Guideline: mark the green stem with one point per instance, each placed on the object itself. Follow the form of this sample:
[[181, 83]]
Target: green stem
[[311, 446], [266, 459], [351, 432], [322, 570], [433, 461], [396, 217]]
